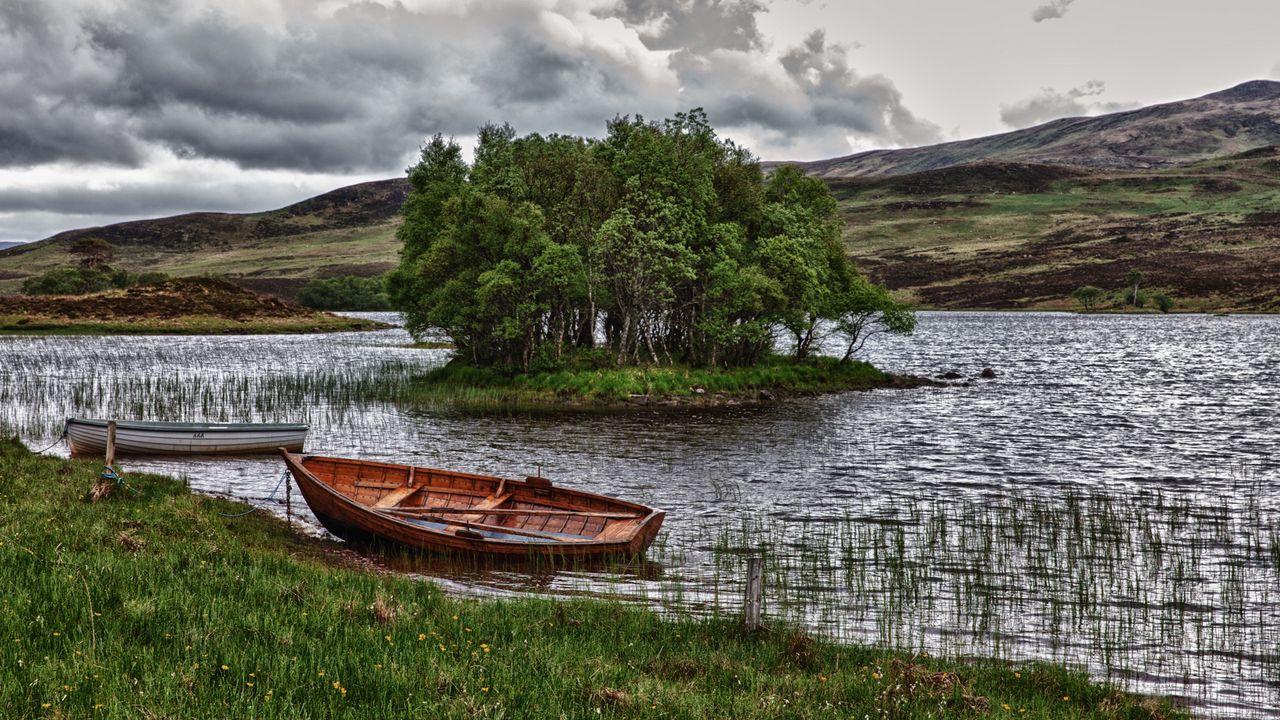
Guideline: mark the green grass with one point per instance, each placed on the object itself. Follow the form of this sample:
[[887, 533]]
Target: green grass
[[152, 604], [462, 384], [189, 325], [300, 256]]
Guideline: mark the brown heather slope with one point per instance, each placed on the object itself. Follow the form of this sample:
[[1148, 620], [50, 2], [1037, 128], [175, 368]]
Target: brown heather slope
[[1231, 121], [183, 305], [1001, 235]]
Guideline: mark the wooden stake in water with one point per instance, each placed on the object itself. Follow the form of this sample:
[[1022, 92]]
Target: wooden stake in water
[[288, 500], [754, 595], [111, 443]]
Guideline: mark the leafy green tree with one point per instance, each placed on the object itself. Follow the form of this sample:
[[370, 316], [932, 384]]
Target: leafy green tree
[[866, 310], [1088, 296], [93, 252], [345, 292], [68, 281], [1163, 302], [1133, 278], [662, 241]]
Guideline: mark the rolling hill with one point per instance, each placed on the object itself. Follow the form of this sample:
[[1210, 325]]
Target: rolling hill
[[1188, 193], [1008, 235], [348, 231], [1231, 121]]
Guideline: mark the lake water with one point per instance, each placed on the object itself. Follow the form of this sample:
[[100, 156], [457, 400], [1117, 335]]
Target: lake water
[[1108, 500]]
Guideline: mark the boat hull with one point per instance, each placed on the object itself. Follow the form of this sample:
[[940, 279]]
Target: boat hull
[[355, 521], [89, 437]]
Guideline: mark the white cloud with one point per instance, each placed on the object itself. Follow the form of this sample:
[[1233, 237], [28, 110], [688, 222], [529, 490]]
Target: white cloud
[[1050, 104]]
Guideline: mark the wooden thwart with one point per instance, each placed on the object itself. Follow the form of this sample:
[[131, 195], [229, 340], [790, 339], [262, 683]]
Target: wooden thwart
[[516, 511], [485, 526], [394, 497]]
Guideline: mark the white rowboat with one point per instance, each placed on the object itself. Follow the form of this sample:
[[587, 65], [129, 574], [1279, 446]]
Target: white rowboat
[[89, 437]]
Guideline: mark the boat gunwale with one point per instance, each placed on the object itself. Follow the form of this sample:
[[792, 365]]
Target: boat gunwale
[[164, 426]]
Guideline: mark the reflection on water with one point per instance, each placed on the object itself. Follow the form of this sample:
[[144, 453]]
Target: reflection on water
[[1108, 500]]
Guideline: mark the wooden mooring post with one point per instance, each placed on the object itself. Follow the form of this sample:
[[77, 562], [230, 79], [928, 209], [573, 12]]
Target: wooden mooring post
[[288, 498], [111, 443], [754, 596]]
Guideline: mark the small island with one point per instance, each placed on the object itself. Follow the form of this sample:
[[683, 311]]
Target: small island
[[182, 306], [656, 264]]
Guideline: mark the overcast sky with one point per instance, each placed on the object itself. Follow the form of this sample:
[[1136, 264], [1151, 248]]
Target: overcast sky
[[118, 109]]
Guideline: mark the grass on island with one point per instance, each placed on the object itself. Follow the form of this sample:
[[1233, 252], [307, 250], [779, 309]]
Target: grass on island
[[778, 377], [187, 325], [151, 603]]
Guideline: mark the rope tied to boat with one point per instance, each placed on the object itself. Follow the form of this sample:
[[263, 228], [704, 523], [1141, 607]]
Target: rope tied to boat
[[61, 437], [259, 506]]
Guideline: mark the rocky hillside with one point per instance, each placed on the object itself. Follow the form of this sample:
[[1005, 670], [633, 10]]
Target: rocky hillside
[[1224, 123]]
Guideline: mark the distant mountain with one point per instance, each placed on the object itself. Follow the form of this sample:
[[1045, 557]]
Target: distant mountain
[[5, 245], [1231, 121], [348, 231]]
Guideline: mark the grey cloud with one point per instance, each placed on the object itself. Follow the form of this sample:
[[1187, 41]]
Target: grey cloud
[[1050, 104], [32, 213], [358, 89], [1275, 71], [129, 201], [871, 106], [45, 107], [1051, 11], [697, 25]]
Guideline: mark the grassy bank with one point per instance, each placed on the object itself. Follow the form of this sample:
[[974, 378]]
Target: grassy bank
[[151, 604], [185, 325], [776, 379]]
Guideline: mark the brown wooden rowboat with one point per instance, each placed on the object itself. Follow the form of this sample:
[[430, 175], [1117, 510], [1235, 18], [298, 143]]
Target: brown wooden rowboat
[[460, 513]]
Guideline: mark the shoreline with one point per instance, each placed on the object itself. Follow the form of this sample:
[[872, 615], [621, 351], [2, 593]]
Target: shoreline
[[155, 602], [655, 388]]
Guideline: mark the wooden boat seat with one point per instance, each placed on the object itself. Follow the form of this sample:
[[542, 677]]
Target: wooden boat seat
[[488, 503], [395, 497]]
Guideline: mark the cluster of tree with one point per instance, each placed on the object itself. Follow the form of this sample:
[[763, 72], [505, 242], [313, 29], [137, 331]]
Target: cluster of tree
[[345, 292], [93, 274], [1091, 297], [659, 243]]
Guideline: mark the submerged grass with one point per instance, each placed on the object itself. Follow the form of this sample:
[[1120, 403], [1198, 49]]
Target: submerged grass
[[151, 604], [459, 383]]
